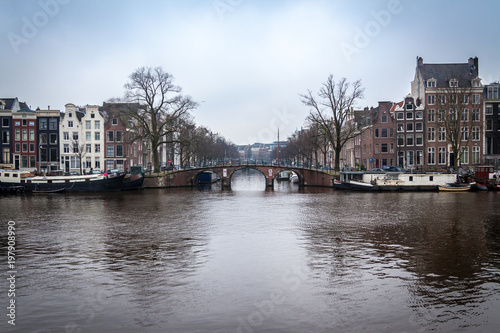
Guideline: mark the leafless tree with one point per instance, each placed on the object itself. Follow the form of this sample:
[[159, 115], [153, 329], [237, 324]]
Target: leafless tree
[[164, 107], [331, 111], [79, 151]]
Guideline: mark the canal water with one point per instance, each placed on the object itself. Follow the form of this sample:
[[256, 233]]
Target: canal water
[[253, 260]]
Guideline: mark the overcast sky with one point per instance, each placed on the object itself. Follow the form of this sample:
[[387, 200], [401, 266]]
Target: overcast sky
[[245, 61]]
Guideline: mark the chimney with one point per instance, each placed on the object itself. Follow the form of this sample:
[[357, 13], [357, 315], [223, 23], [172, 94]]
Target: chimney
[[48, 107], [420, 61]]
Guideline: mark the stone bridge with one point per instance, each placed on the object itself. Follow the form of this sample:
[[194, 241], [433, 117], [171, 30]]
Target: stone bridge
[[189, 177]]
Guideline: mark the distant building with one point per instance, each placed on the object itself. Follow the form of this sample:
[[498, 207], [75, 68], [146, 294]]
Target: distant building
[[7, 106], [25, 142]]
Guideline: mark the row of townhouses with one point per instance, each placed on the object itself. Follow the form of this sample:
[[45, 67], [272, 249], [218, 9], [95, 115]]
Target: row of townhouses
[[81, 139], [414, 133]]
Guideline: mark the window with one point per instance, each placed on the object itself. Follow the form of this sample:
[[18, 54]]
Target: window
[[66, 148], [465, 115], [97, 163], [453, 114], [476, 154], [453, 99], [431, 134], [42, 124], [24, 161], [97, 148], [32, 161], [383, 148], [75, 136], [442, 134], [489, 109], [431, 115], [419, 115], [420, 157], [110, 151], [110, 135], [87, 124], [25, 147], [119, 165], [442, 155], [18, 134], [391, 132], [400, 116], [32, 135], [97, 136], [32, 147], [25, 134], [110, 164], [88, 163], [92, 115], [17, 123], [392, 148], [431, 83], [464, 133], [53, 138], [465, 99], [70, 123], [419, 139], [409, 115], [476, 115], [97, 124], [75, 149], [409, 106], [409, 157], [43, 138], [53, 125], [453, 83], [75, 162], [377, 149], [409, 127], [114, 121], [475, 133], [88, 148], [464, 156], [441, 115], [88, 136], [6, 136], [5, 121], [401, 140], [119, 150], [442, 99], [25, 122], [66, 136], [431, 99], [53, 154], [384, 118], [376, 133], [409, 139], [70, 115], [489, 124], [493, 92], [119, 136], [383, 133], [476, 99], [419, 127], [401, 127]]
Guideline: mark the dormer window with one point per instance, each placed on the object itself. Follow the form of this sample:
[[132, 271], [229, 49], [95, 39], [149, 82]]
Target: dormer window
[[476, 83], [2, 105], [92, 115], [70, 115], [409, 106], [431, 83], [453, 83]]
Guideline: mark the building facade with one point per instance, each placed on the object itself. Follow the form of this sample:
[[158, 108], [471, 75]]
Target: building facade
[[7, 106], [25, 140], [492, 124], [48, 140], [92, 142]]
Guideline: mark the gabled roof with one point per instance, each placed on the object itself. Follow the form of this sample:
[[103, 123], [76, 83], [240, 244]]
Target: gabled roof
[[397, 106], [444, 72]]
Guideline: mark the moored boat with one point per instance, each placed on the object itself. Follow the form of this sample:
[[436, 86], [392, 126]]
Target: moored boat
[[455, 187], [25, 182]]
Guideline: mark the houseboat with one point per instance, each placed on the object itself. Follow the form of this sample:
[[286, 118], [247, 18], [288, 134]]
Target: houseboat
[[392, 181], [22, 181]]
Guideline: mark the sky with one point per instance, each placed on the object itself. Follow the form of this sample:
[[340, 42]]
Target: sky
[[244, 61]]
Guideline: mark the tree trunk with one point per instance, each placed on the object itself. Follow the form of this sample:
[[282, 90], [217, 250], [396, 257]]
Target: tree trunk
[[337, 158]]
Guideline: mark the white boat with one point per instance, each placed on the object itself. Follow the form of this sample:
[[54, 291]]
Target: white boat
[[294, 178]]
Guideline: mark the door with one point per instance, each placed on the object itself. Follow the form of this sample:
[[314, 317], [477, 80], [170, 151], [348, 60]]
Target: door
[[66, 166], [16, 162]]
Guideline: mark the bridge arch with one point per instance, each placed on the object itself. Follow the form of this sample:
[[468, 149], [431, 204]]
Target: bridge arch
[[198, 172], [282, 169]]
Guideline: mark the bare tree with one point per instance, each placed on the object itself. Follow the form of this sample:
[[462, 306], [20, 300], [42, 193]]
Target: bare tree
[[331, 110], [79, 151], [164, 107]]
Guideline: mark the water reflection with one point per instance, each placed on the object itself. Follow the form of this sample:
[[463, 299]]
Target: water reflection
[[281, 260]]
